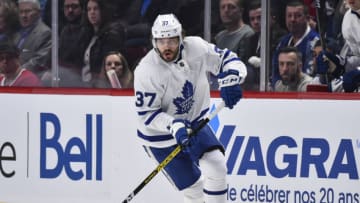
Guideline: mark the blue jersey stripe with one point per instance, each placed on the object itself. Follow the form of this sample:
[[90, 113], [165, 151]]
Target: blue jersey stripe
[[227, 53], [215, 192], [152, 116], [232, 59], [155, 138], [141, 113]]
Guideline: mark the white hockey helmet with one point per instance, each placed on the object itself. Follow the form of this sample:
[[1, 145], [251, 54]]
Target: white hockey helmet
[[166, 26]]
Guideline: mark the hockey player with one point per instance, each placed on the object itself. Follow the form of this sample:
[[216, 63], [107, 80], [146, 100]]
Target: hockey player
[[173, 94]]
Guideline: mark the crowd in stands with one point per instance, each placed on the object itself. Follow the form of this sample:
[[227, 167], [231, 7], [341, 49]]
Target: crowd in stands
[[102, 41]]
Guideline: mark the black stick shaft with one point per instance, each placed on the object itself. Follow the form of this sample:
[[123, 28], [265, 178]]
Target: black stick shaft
[[318, 15]]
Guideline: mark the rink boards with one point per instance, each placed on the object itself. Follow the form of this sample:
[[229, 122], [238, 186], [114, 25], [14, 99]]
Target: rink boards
[[83, 148]]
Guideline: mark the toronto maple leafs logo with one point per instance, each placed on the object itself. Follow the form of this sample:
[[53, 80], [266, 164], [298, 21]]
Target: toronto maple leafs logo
[[183, 104]]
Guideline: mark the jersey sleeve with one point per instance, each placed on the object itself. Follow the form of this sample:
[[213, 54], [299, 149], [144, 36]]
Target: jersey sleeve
[[149, 90]]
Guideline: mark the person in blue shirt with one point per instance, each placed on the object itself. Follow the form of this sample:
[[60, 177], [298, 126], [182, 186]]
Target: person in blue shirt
[[300, 36]]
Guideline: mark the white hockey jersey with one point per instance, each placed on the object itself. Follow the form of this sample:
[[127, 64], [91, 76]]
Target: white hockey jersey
[[351, 34], [168, 90]]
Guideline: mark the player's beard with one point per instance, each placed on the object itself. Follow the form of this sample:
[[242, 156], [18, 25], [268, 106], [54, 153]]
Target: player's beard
[[168, 55]]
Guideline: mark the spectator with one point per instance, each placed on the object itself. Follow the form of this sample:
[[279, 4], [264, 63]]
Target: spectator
[[99, 35], [236, 34], [137, 43], [70, 60], [300, 35], [254, 16], [46, 14], [276, 32], [11, 72], [290, 69], [69, 12], [9, 20], [73, 11], [235, 37], [253, 50], [255, 23], [348, 60], [118, 73], [332, 82], [34, 39]]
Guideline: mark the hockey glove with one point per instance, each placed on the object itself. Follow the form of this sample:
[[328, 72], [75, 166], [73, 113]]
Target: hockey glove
[[351, 80], [179, 129], [230, 90]]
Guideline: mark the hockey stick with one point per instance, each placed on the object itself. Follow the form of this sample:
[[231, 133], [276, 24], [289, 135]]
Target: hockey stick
[[171, 156], [321, 36], [318, 13]]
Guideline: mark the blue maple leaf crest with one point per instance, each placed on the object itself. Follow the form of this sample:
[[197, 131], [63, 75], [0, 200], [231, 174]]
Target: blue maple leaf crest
[[183, 104]]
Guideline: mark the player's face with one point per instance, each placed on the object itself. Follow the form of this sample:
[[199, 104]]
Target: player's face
[[288, 67], [114, 62], [168, 48], [354, 4]]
